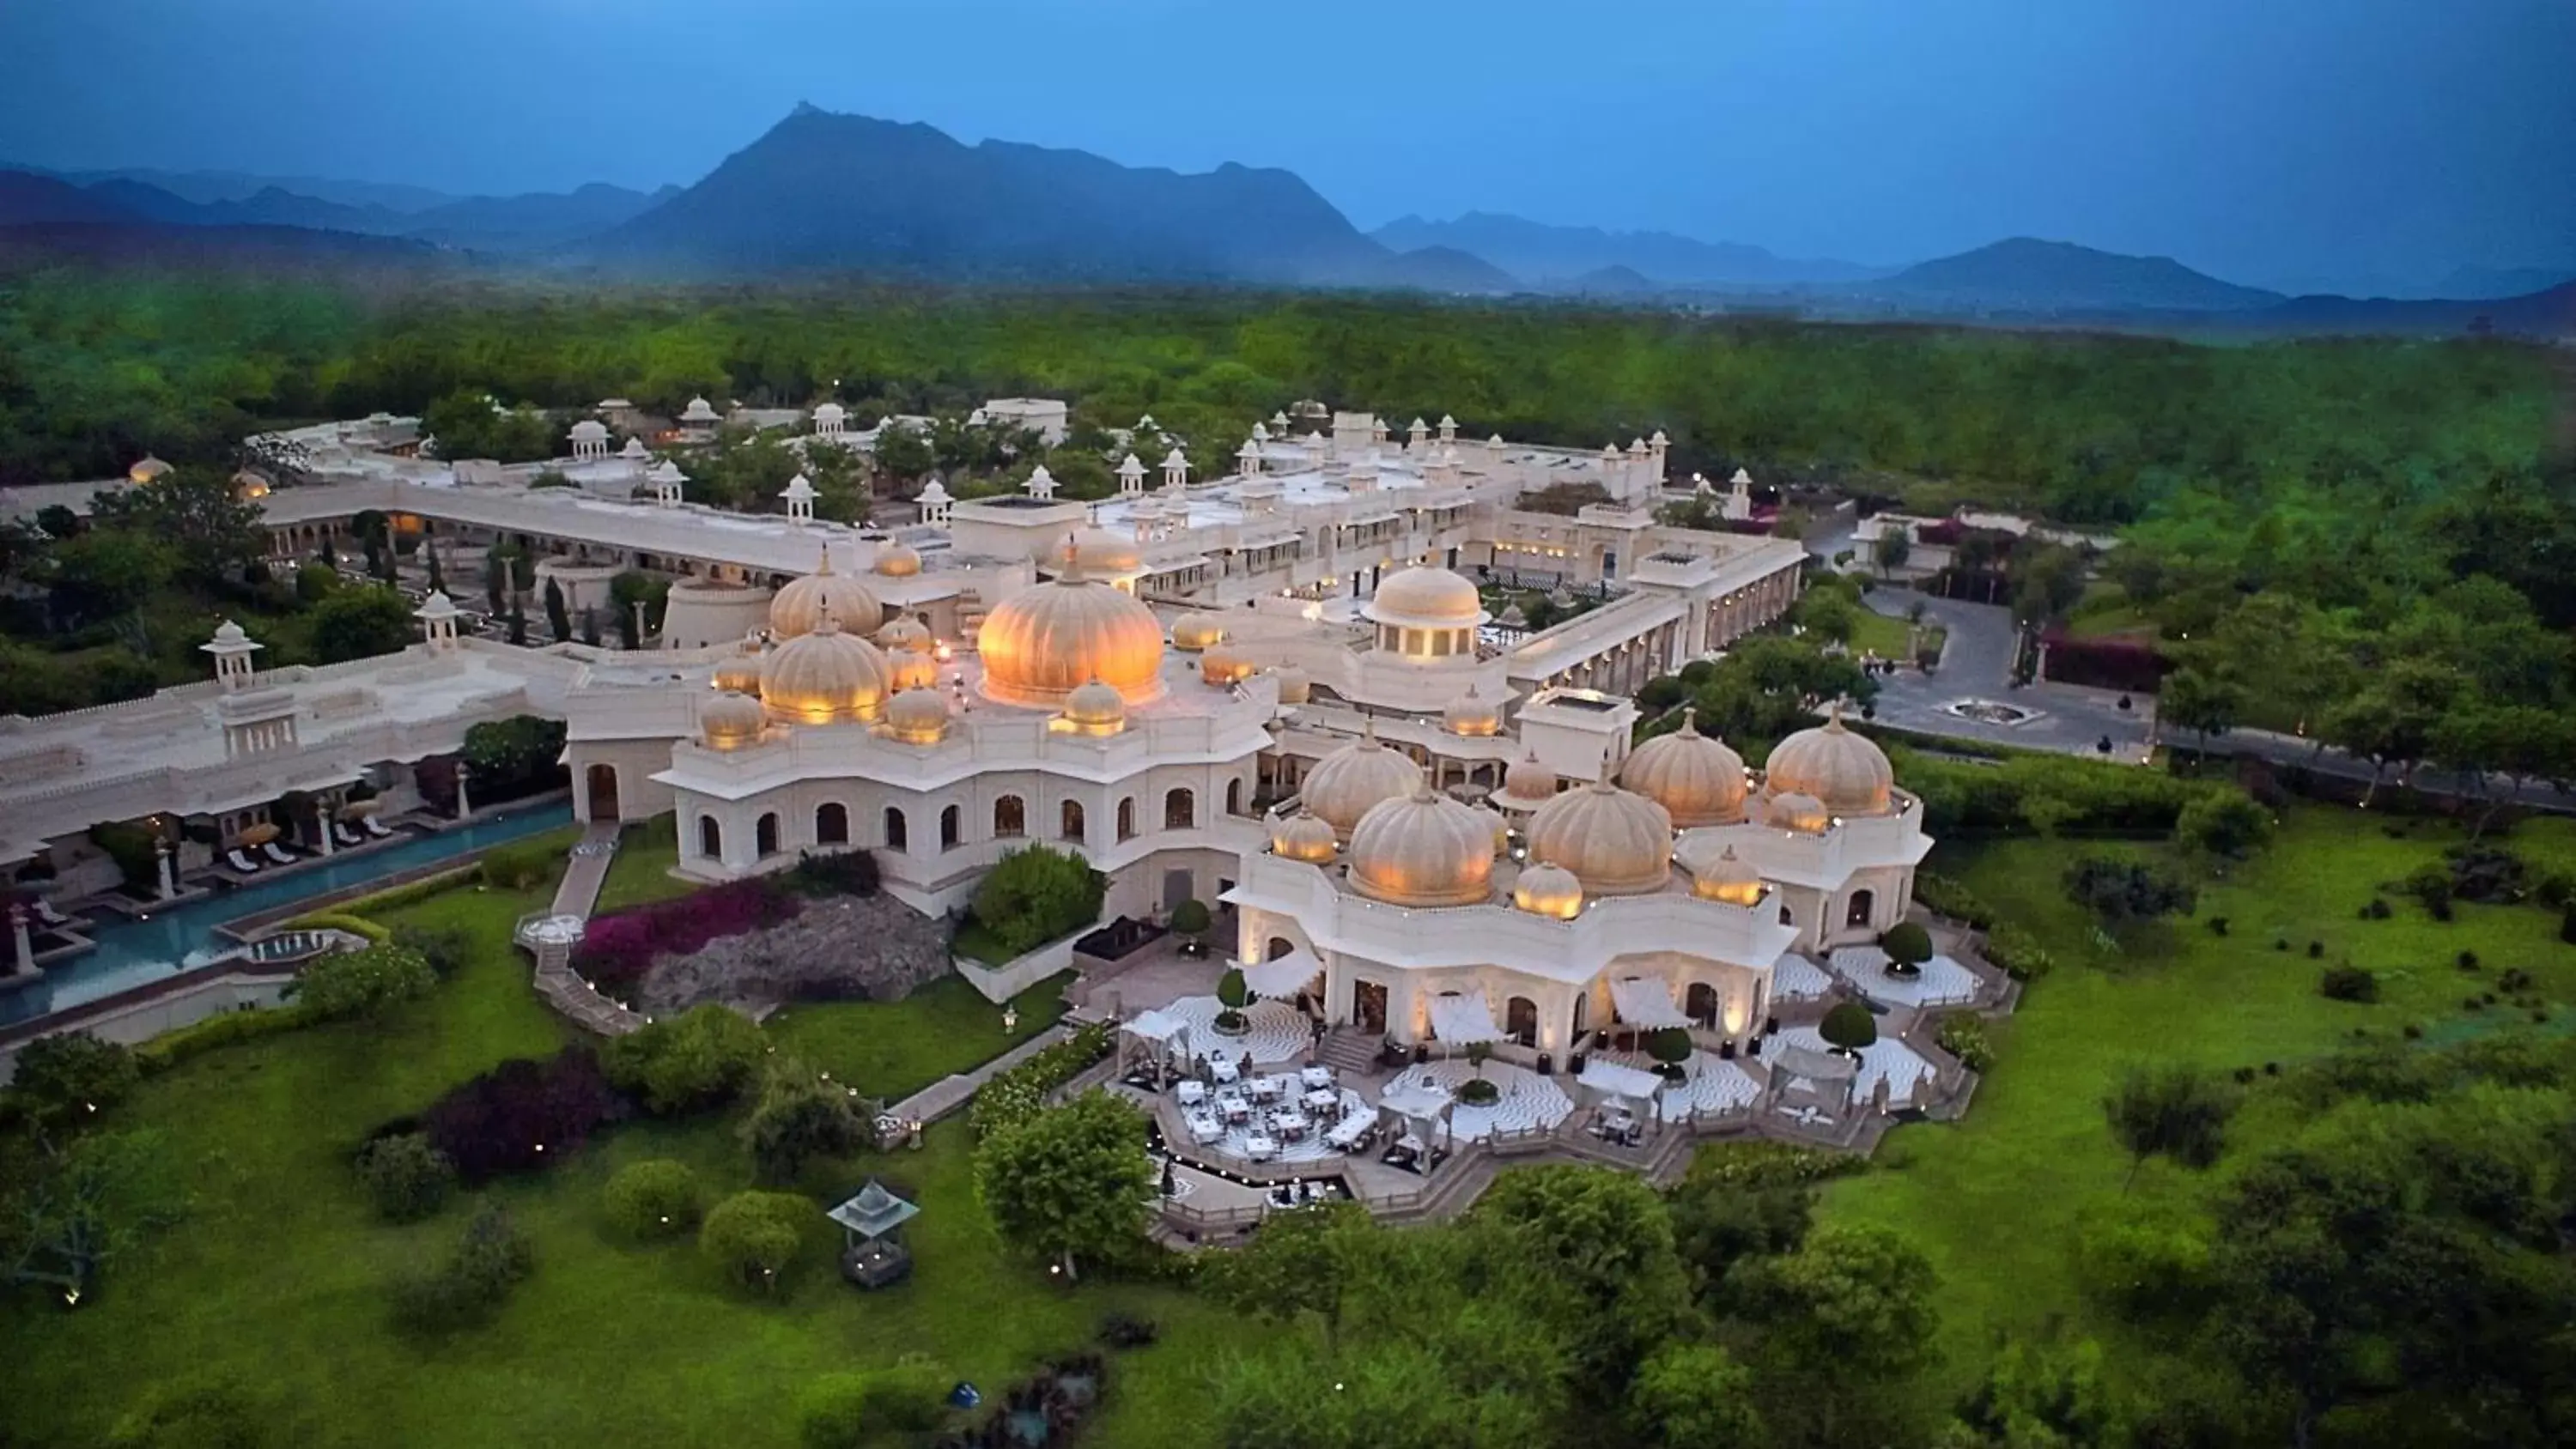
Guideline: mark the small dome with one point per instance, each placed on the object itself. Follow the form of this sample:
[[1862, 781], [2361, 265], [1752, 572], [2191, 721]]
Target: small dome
[[589, 430], [1528, 784], [1422, 850], [1615, 842], [830, 412], [1426, 598], [1794, 811], [906, 634], [1472, 716], [1847, 772], [1224, 664], [1695, 777], [1194, 632], [229, 632], [803, 603], [731, 721], [826, 677], [740, 674], [1303, 836], [898, 561], [1294, 686], [1548, 890], [1096, 550], [1042, 643], [917, 716], [911, 669], [147, 469], [1728, 878], [1095, 709], [1344, 784]]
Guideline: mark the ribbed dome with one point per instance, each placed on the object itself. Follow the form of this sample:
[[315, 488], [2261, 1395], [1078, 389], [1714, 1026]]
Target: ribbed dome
[[1344, 784], [1194, 632], [1303, 836], [826, 677], [1728, 878], [1095, 709], [898, 561], [1615, 842], [229, 632], [731, 721], [1794, 811], [917, 717], [803, 603], [1097, 550], [1548, 890], [741, 674], [1698, 779], [1847, 772], [1294, 686], [1224, 664], [1471, 715], [1528, 784], [1422, 850], [911, 669], [1426, 598], [905, 632], [1044, 642]]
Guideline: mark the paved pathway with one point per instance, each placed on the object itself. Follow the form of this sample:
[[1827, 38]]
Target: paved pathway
[[588, 871], [556, 981]]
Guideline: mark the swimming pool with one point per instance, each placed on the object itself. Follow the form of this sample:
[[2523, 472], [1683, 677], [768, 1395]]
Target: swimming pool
[[133, 951]]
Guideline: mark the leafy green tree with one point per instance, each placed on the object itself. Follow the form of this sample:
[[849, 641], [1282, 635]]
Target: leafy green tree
[[1859, 1299], [755, 1236], [701, 1058], [2039, 1398], [468, 1285], [406, 1177], [1718, 1223], [349, 985], [1609, 1249], [655, 1198], [1894, 547], [2170, 1110], [2201, 702], [468, 423], [630, 591], [904, 455], [1298, 1264], [1692, 1394], [193, 511], [1071, 1182], [1191, 918], [1033, 895], [106, 574], [360, 622], [71, 1075], [315, 582], [2225, 822], [81, 1206], [801, 1117], [515, 753], [1907, 943]]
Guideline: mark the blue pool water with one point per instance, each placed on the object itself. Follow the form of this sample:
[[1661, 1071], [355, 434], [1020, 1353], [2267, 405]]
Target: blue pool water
[[132, 952]]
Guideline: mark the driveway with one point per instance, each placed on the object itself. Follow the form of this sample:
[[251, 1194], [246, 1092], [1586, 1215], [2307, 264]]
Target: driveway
[[1976, 664]]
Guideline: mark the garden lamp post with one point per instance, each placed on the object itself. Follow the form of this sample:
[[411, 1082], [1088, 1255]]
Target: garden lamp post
[[1010, 1020]]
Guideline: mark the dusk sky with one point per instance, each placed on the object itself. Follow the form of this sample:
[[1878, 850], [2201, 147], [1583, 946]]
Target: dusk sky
[[2281, 142]]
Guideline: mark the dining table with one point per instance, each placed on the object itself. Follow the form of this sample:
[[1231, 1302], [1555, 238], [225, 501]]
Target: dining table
[[1323, 1101], [1315, 1078], [1225, 1073]]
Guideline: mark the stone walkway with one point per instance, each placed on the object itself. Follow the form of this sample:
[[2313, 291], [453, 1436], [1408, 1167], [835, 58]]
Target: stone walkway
[[556, 981]]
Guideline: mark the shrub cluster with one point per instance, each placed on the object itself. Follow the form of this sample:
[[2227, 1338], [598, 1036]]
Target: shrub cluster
[[445, 948], [702, 1058], [617, 949], [1753, 1164], [1034, 895], [2018, 952], [754, 1236], [352, 984], [358, 926], [853, 1410], [802, 1117], [1019, 1094], [1963, 1035], [1945, 896], [171, 1048], [410, 893], [657, 1198], [471, 1283], [2348, 983], [838, 873], [405, 1176], [520, 1114], [520, 867], [2024, 793]]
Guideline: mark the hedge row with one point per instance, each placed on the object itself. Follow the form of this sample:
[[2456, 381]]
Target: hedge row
[[358, 926], [410, 892], [1019, 1094]]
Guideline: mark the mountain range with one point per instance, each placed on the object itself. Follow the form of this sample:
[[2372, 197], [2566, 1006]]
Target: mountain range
[[822, 193]]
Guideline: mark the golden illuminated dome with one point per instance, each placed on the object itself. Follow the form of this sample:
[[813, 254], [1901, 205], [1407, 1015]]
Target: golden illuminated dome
[[1294, 686], [1728, 878], [1797, 812], [906, 633], [741, 674], [1548, 890], [1847, 772], [1470, 715], [917, 717], [1194, 632], [147, 469], [1422, 849], [1224, 664], [1615, 842], [1426, 598], [825, 677], [1043, 643], [1528, 784], [1695, 777], [1098, 550], [1095, 709], [1344, 784], [898, 561], [1303, 836], [911, 669], [803, 603], [731, 721]]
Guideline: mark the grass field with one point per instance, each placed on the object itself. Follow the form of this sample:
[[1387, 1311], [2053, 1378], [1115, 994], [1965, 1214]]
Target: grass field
[[640, 874], [277, 1274], [1998, 1201]]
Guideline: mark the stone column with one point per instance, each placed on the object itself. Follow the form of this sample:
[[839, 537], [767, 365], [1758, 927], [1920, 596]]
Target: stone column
[[24, 963], [322, 822], [168, 854], [464, 806]]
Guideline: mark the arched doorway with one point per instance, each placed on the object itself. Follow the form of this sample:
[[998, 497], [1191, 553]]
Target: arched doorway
[[1127, 818], [832, 823], [1582, 1016], [602, 783], [1010, 817], [1180, 810], [1234, 797], [710, 838], [1520, 1019], [898, 832], [1368, 1006], [1700, 1004], [950, 823], [764, 836], [1862, 904]]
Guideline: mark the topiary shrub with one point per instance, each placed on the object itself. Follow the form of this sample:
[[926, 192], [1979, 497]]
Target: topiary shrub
[[405, 1177], [445, 948], [702, 1058], [1849, 1027], [470, 1284], [1478, 1092], [1670, 1047], [2348, 983], [1908, 946], [1233, 995], [753, 1237], [656, 1198]]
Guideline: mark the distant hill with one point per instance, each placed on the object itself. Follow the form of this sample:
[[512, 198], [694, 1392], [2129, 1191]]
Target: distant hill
[[1610, 282], [2550, 312], [825, 192], [2024, 274], [1554, 255], [265, 249], [208, 187], [2493, 282], [534, 221], [27, 199]]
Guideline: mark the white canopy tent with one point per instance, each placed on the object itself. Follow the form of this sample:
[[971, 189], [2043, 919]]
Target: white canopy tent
[[1612, 1079], [1646, 1001], [1420, 1109], [1459, 1018], [1283, 978], [1153, 1037]]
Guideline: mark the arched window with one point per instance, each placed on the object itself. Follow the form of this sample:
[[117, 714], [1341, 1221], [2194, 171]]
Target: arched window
[[832, 824], [1010, 817], [1520, 1019], [764, 835], [1180, 810], [1862, 903], [950, 821], [1069, 825], [1787, 919], [1127, 818], [897, 832], [1700, 1004], [710, 838], [1234, 797]]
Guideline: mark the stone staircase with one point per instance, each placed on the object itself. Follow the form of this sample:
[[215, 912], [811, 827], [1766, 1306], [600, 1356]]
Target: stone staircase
[[1348, 1050], [970, 616]]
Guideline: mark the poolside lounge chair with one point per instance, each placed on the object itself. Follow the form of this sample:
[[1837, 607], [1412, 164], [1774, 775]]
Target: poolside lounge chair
[[346, 836], [276, 853], [46, 913], [375, 827], [241, 862]]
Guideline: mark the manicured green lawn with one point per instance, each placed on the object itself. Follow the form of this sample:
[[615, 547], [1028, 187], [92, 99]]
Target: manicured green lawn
[[1999, 1200], [893, 1049], [277, 1275], [640, 874], [1875, 633]]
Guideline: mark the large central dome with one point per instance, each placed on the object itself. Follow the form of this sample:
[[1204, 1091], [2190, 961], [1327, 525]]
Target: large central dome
[[806, 602], [1044, 643]]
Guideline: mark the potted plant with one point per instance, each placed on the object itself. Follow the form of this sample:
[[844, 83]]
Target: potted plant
[[1848, 1028], [1908, 946], [1670, 1047], [1233, 995], [1190, 921]]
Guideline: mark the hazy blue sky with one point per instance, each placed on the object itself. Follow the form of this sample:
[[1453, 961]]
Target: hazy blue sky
[[2266, 140]]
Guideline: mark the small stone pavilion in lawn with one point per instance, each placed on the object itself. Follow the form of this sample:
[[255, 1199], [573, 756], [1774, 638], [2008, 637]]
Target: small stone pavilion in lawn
[[872, 1255]]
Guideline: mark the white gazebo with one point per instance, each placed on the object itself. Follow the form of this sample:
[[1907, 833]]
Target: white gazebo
[[1156, 1039]]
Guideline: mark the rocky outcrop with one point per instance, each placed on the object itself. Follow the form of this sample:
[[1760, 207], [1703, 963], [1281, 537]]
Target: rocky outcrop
[[842, 948]]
